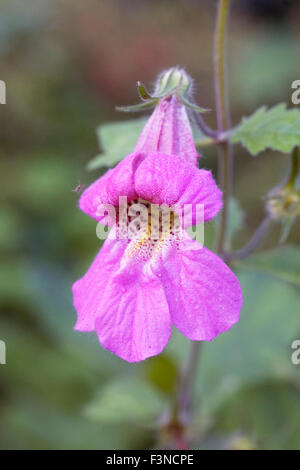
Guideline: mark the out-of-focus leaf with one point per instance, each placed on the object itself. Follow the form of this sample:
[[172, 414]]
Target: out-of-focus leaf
[[51, 291], [29, 423], [269, 413], [283, 263], [10, 227], [13, 289], [35, 365], [263, 68], [46, 182], [116, 139], [236, 217], [162, 372], [128, 400], [257, 348], [276, 128]]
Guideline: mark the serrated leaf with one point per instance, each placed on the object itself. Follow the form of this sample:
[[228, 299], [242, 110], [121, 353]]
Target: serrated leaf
[[116, 139], [276, 128], [282, 263], [128, 400]]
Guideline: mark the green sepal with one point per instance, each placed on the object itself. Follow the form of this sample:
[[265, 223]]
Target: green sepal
[[138, 107]]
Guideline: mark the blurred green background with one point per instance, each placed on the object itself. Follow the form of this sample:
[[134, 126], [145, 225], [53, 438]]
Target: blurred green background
[[66, 64]]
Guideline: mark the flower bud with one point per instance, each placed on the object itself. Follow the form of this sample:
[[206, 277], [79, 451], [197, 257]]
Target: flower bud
[[284, 203], [174, 81]]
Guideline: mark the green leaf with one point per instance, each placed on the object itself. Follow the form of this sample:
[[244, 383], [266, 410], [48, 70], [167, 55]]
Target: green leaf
[[128, 400], [162, 372], [276, 128], [282, 263], [117, 139]]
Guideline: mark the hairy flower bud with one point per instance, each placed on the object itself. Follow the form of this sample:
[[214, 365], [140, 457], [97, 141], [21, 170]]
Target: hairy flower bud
[[174, 81], [284, 203]]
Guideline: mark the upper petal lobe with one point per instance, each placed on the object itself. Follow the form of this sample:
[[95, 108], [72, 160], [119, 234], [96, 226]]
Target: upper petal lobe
[[169, 179], [108, 188]]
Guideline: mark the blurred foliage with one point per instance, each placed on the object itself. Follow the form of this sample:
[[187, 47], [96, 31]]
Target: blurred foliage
[[60, 389]]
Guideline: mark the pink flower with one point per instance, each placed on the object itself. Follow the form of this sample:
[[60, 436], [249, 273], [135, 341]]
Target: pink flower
[[168, 130], [136, 289]]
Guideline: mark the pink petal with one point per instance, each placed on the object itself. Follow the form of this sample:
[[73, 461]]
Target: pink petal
[[125, 305], [168, 179], [134, 320], [88, 289], [168, 131], [108, 188], [202, 190], [204, 295]]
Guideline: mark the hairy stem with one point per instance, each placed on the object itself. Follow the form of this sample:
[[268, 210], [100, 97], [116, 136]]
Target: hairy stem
[[225, 157]]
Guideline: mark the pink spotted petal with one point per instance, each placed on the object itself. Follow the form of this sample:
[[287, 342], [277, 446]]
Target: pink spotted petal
[[134, 319], [204, 295], [125, 305], [168, 179], [168, 131]]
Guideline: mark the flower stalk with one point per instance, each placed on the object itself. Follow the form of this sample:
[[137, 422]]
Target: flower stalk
[[225, 156]]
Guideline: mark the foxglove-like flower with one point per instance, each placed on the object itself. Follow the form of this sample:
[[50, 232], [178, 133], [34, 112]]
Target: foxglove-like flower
[[137, 288]]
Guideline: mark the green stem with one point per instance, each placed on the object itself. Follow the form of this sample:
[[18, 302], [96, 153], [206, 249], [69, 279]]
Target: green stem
[[294, 168], [222, 109]]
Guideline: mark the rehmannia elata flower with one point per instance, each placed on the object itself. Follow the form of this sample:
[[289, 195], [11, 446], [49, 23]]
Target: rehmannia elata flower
[[138, 287]]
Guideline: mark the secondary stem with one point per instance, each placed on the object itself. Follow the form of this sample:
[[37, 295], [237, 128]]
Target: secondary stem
[[256, 240], [222, 108]]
